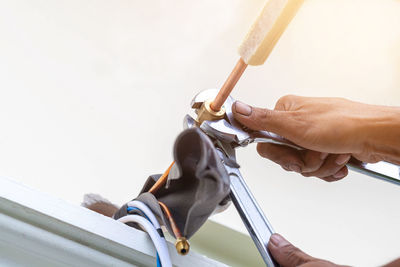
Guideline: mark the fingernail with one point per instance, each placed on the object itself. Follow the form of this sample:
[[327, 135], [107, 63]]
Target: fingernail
[[278, 240], [342, 159], [242, 108], [323, 155], [295, 168], [340, 174]]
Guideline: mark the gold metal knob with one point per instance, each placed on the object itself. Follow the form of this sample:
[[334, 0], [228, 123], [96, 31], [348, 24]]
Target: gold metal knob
[[182, 246], [205, 113]]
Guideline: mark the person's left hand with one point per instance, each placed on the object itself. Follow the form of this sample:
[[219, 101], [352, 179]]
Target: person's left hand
[[288, 255]]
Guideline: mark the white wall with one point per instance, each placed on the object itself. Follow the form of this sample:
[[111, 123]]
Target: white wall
[[92, 95]]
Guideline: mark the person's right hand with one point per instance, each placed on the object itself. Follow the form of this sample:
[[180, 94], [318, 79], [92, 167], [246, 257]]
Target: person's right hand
[[330, 129]]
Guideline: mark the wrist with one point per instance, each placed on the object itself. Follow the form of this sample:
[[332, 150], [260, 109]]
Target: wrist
[[381, 134]]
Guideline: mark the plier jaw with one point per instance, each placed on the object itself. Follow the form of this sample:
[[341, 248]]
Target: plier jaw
[[225, 127]]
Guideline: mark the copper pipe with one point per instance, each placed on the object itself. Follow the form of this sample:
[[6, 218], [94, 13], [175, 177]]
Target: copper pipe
[[162, 180], [228, 86], [181, 244], [171, 220]]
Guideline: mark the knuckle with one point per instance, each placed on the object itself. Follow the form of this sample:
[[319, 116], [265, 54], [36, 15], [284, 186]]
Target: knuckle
[[287, 102], [328, 169], [284, 102], [293, 255], [261, 118], [328, 173], [286, 98], [312, 156], [318, 173], [321, 174], [289, 250], [264, 115], [312, 161], [311, 166], [285, 167]]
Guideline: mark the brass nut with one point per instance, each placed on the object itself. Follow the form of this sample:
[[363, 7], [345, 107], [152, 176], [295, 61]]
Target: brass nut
[[205, 113], [182, 246]]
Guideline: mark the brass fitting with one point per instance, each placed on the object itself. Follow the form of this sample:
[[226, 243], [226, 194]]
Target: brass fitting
[[182, 245], [205, 113]]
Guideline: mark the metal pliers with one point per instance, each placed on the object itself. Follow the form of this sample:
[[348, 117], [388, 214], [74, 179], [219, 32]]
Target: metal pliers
[[227, 135]]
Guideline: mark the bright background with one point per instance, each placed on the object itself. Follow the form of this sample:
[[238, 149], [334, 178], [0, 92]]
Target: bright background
[[92, 96]]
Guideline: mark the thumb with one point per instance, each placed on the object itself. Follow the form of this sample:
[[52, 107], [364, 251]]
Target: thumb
[[262, 119], [285, 253]]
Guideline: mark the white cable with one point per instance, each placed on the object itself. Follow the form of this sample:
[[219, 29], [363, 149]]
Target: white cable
[[143, 207], [159, 243]]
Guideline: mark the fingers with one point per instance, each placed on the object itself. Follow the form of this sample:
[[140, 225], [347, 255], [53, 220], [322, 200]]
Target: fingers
[[289, 158], [329, 167], [332, 169], [285, 253], [313, 160], [338, 176], [288, 255], [262, 119]]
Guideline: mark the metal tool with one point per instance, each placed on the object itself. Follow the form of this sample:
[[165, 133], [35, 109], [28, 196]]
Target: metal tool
[[228, 134], [230, 131]]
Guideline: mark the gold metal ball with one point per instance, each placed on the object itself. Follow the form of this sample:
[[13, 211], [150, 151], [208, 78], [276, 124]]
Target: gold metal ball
[[182, 246]]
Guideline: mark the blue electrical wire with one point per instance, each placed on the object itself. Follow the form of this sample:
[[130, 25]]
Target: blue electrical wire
[[141, 213], [158, 261]]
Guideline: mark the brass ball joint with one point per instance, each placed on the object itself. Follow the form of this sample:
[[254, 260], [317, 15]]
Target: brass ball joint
[[182, 245], [205, 113]]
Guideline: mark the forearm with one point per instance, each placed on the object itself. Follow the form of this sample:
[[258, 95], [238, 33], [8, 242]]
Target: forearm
[[382, 134]]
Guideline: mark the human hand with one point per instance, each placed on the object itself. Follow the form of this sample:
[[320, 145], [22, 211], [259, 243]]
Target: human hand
[[288, 255], [330, 129]]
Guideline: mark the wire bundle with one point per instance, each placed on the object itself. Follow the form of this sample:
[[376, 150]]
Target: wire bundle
[[148, 221], [182, 244], [144, 217]]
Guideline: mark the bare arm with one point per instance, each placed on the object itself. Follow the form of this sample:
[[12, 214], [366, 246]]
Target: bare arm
[[382, 135], [331, 129]]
